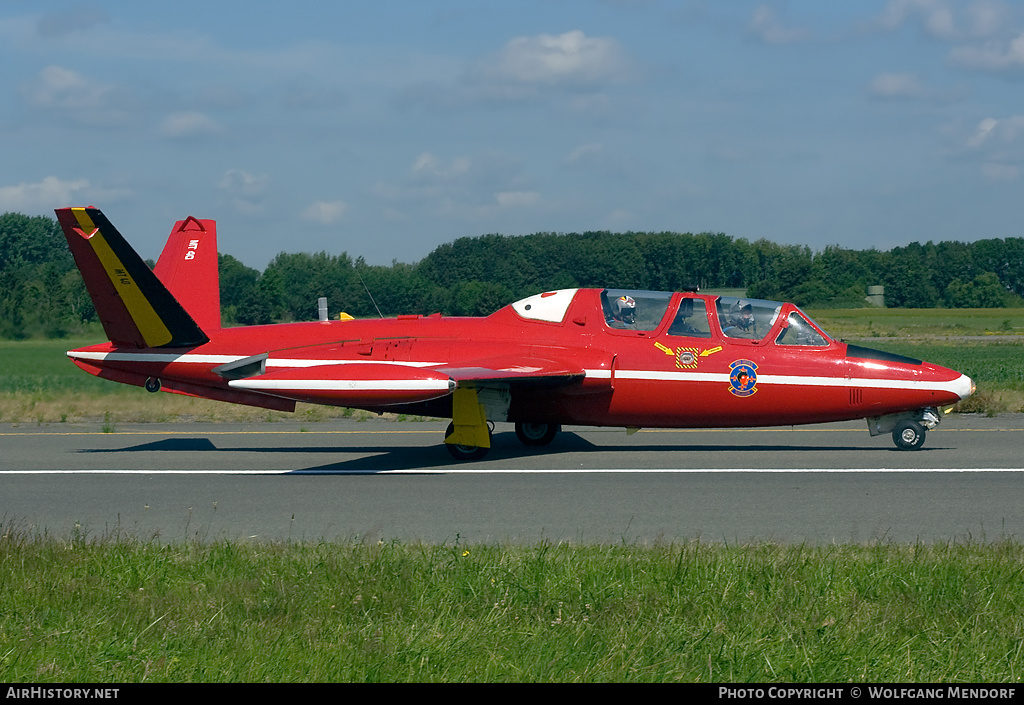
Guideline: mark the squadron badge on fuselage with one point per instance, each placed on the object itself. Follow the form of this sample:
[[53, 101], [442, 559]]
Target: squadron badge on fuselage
[[743, 378]]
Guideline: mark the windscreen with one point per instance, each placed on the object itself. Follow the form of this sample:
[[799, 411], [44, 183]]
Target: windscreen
[[632, 309]]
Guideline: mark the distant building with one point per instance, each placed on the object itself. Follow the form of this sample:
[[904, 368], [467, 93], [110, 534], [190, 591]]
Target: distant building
[[876, 296]]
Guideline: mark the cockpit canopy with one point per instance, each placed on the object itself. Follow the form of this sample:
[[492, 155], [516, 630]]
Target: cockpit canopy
[[686, 315], [741, 318], [753, 319]]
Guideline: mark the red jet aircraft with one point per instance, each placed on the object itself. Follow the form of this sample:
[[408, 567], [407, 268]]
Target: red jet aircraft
[[595, 357]]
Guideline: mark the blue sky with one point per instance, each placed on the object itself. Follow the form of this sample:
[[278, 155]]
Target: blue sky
[[386, 128]]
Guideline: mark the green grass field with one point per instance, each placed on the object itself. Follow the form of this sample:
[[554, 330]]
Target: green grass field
[[860, 323], [122, 611], [41, 367]]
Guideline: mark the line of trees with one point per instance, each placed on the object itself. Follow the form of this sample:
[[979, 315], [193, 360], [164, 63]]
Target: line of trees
[[41, 292], [475, 276]]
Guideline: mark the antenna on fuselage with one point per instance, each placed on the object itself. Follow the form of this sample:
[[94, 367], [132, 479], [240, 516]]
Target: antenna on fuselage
[[369, 294]]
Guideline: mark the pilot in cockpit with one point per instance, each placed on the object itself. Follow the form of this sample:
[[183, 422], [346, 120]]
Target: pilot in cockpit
[[740, 316], [623, 311]]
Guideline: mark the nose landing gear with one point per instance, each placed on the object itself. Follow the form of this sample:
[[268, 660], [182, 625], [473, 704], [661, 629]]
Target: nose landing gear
[[908, 435], [908, 428]]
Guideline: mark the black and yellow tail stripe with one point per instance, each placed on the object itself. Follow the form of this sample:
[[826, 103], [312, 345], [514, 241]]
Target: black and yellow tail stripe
[[153, 330], [160, 319]]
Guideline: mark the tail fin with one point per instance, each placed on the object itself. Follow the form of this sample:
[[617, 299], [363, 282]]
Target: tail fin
[[188, 268], [134, 306]]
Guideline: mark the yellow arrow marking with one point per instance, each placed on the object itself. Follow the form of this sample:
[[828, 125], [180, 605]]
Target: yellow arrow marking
[[667, 351], [711, 351]]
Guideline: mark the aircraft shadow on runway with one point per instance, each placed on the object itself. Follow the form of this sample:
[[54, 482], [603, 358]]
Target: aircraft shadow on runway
[[505, 446]]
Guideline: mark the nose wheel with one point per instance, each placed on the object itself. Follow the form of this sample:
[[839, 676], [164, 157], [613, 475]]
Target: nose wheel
[[908, 435]]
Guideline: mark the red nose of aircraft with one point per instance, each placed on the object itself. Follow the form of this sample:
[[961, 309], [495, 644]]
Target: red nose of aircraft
[[898, 382]]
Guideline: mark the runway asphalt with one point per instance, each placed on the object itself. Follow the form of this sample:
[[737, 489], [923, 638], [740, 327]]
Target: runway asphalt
[[389, 480]]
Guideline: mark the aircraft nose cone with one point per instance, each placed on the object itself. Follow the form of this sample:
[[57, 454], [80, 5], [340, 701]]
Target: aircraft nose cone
[[964, 386]]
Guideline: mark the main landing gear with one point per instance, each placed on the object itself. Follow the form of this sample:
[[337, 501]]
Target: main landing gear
[[468, 436], [530, 434], [537, 434], [461, 451]]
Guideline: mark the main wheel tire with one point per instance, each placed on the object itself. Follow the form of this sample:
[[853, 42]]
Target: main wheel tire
[[537, 434], [461, 452], [908, 435], [152, 384]]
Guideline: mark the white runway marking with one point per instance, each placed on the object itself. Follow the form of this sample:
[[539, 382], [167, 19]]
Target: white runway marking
[[504, 471]]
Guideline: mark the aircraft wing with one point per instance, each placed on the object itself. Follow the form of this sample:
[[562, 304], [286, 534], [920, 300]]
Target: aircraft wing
[[374, 384], [352, 384]]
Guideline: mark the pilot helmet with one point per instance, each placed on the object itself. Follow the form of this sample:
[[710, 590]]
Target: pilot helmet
[[741, 314], [625, 309]]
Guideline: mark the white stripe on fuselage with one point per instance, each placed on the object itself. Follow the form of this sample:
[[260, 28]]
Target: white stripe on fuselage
[[343, 385], [959, 386], [195, 359]]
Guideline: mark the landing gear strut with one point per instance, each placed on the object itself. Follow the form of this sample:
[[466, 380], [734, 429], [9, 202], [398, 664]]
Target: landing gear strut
[[469, 435], [464, 452]]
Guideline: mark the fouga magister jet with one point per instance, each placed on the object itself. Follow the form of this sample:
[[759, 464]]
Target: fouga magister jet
[[596, 357]]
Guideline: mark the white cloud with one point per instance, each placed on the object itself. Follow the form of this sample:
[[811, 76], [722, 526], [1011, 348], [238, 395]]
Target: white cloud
[[61, 23], [935, 15], [571, 58], [897, 85], [1001, 131], [1000, 172], [998, 143], [472, 188], [517, 199], [982, 133], [325, 212], [241, 182], [987, 17], [951, 21], [619, 218], [188, 125], [569, 66], [910, 86], [427, 165], [244, 191], [70, 94], [585, 153], [41, 197], [993, 55], [765, 25]]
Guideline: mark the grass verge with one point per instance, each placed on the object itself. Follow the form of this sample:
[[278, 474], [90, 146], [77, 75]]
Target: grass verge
[[120, 610]]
